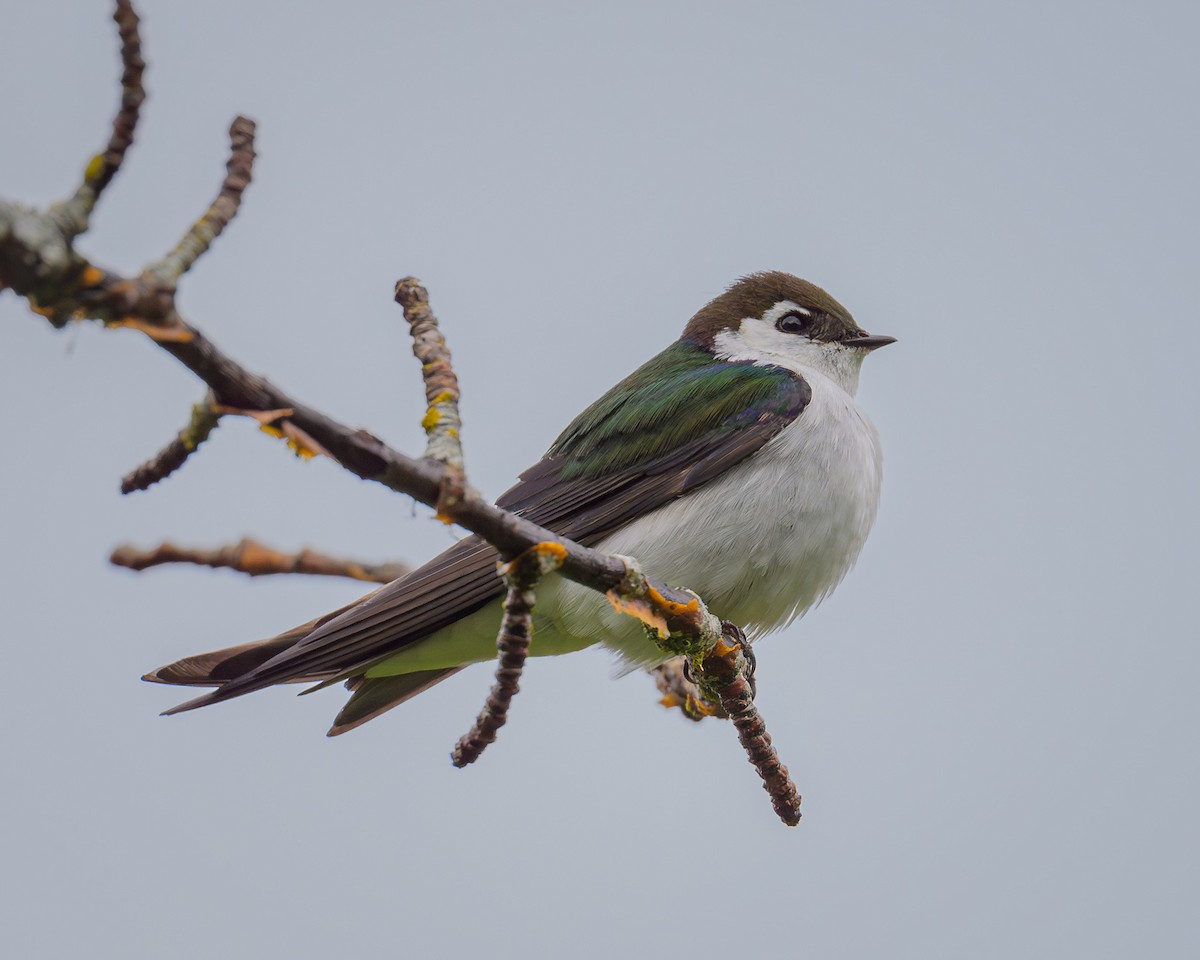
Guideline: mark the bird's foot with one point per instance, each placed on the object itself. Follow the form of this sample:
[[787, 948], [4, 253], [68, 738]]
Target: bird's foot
[[674, 682]]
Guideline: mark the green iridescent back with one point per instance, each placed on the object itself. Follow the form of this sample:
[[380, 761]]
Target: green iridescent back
[[676, 398]]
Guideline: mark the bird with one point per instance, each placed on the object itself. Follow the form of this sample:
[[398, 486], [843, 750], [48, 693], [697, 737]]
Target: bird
[[736, 463]]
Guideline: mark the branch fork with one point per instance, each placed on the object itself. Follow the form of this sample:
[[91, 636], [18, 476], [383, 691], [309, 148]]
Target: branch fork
[[38, 260]]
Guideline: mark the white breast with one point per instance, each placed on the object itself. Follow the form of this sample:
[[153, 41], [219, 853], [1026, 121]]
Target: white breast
[[761, 544]]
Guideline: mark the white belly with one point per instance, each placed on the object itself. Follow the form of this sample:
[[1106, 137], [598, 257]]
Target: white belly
[[760, 545]]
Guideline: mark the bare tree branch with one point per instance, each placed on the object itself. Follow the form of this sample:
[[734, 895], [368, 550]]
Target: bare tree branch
[[223, 209], [203, 421], [73, 214], [727, 678], [38, 260], [442, 422], [521, 576], [256, 559]]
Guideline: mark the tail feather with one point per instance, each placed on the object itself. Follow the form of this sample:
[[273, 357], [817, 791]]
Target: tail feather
[[375, 695], [370, 696], [219, 666]]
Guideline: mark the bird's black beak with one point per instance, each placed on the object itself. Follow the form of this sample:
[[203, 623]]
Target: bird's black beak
[[868, 342]]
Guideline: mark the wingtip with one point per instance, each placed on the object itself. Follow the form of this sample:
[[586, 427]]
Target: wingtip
[[192, 704], [339, 728], [321, 685]]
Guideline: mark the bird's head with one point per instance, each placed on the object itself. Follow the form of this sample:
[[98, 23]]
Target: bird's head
[[776, 318]]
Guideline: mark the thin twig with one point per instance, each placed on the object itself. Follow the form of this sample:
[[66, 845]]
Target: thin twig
[[74, 213], [203, 421], [256, 559], [678, 618], [442, 422], [521, 576], [238, 171], [727, 679], [38, 261]]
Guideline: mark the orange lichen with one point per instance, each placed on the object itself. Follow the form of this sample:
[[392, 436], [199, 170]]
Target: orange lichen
[[551, 549], [724, 648], [642, 610], [672, 607], [549, 555], [161, 334]]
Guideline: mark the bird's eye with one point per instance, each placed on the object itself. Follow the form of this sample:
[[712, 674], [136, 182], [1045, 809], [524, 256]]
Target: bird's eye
[[793, 323]]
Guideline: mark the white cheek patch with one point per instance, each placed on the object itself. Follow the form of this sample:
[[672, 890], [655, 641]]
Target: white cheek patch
[[758, 341]]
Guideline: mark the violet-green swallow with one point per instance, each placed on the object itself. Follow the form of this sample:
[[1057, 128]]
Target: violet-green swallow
[[735, 463]]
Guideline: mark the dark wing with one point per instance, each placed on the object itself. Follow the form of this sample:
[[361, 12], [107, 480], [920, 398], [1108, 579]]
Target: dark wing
[[675, 424]]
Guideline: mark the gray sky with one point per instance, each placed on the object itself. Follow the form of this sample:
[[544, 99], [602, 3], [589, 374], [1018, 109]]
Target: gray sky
[[992, 720]]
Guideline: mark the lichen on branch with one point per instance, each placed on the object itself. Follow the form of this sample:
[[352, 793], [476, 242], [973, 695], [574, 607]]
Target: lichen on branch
[[38, 261]]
